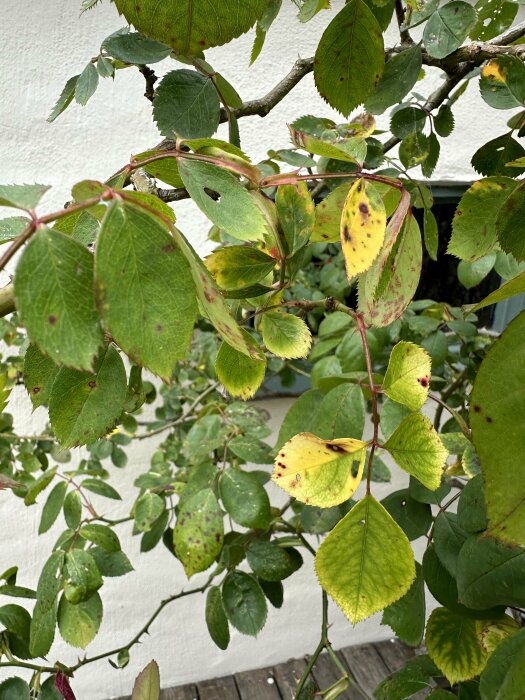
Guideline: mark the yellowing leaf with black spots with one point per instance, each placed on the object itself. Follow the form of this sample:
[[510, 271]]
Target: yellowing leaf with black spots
[[285, 335], [241, 375], [454, 644], [320, 472], [363, 226], [417, 449], [408, 375], [366, 562], [198, 532]]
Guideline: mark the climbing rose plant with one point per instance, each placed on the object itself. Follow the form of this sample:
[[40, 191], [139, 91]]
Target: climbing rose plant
[[108, 288]]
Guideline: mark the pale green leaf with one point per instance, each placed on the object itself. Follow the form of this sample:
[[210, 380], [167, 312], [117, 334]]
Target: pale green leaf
[[417, 449], [285, 335], [12, 227], [356, 566], [64, 324], [349, 59], [296, 212], [240, 375], [198, 532], [22, 196], [497, 432], [133, 47], [86, 84], [148, 508], [407, 376], [79, 624], [470, 274], [65, 98], [186, 104], [84, 406], [191, 28], [147, 683], [235, 267], [144, 288]]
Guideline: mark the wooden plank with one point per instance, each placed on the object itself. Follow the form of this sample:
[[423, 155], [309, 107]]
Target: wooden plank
[[257, 685], [366, 666], [326, 674], [218, 689], [181, 692], [394, 653], [287, 676]]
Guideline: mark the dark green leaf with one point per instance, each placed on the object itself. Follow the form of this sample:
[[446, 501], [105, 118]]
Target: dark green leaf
[[503, 676], [43, 622], [135, 48], [65, 99], [494, 17], [448, 27], [14, 689], [492, 157], [198, 532], [509, 223], [274, 592], [82, 578], [413, 517], [271, 562], [148, 508], [406, 616], [472, 515], [86, 84], [399, 76], [301, 416], [407, 120], [341, 413], [101, 488], [72, 510], [244, 602], [444, 121], [449, 538], [111, 563], [79, 624], [502, 82], [101, 535], [216, 619], [245, 499], [205, 435]]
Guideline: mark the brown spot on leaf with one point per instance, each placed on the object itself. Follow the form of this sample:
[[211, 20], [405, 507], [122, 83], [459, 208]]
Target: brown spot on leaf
[[52, 319], [35, 389], [334, 448], [363, 208], [423, 381], [168, 248], [476, 408], [346, 234], [488, 419], [92, 384]]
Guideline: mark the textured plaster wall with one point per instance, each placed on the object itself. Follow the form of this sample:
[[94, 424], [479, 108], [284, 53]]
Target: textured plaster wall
[[43, 43]]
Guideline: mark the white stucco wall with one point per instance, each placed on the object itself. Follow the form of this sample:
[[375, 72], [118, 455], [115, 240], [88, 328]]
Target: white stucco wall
[[43, 44]]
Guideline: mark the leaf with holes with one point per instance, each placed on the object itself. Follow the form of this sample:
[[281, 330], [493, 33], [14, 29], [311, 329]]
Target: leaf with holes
[[497, 432], [407, 377], [198, 532], [285, 335], [84, 406], [494, 17], [417, 449], [363, 225], [493, 156], [349, 59], [355, 567], [64, 324], [186, 104], [153, 320], [320, 472]]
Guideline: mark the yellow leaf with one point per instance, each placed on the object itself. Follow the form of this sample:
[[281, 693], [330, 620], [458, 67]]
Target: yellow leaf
[[363, 225], [320, 472]]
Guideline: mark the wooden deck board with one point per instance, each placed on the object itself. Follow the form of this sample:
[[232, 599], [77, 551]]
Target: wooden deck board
[[287, 676], [366, 666], [326, 674], [257, 685], [394, 653], [182, 692], [218, 689]]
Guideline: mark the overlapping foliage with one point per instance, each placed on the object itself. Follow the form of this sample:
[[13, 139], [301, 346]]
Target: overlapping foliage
[[319, 256]]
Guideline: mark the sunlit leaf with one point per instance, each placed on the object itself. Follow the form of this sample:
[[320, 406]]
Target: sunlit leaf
[[407, 377]]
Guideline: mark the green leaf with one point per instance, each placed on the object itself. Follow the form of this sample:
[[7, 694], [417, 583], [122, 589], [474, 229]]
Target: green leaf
[[43, 621], [15, 619], [417, 449], [387, 288], [449, 538], [406, 616], [198, 532], [105, 67], [245, 500], [39, 374], [320, 472], [413, 517], [489, 573], [101, 488], [12, 227], [444, 121], [509, 289], [148, 508], [101, 535], [82, 578], [285, 335], [415, 149], [14, 689], [186, 104], [251, 450], [22, 196], [448, 27], [296, 212], [472, 515], [236, 267], [244, 602], [392, 414], [191, 28], [399, 77], [40, 484], [84, 406], [416, 675], [72, 510], [470, 274], [65, 99], [474, 223], [323, 137], [111, 563], [494, 17], [503, 676], [86, 84], [301, 416], [216, 619], [133, 47], [52, 507], [235, 211], [502, 82], [274, 592], [430, 234], [270, 562], [240, 375], [64, 324], [207, 434], [147, 683], [349, 59], [407, 376], [153, 321], [407, 120], [509, 223], [349, 558], [497, 432], [453, 644], [79, 624], [492, 157], [341, 412], [165, 169]]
